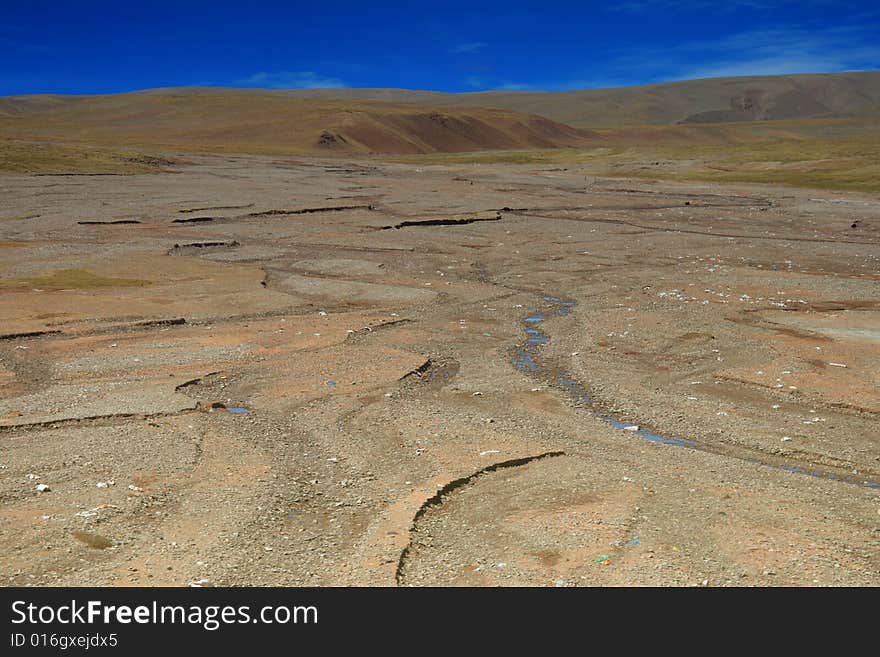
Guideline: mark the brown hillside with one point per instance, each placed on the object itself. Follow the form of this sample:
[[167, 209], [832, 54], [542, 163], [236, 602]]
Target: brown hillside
[[264, 122], [828, 95]]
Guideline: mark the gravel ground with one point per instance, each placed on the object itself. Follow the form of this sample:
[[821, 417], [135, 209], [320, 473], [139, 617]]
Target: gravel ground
[[345, 405]]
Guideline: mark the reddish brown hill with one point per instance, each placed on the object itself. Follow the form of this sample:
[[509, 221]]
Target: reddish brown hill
[[272, 123]]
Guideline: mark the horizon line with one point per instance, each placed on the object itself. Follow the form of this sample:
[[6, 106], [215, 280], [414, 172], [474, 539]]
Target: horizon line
[[434, 91]]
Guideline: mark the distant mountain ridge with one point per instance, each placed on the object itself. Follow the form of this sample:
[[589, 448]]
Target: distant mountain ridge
[[710, 100], [400, 121], [715, 100], [249, 121]]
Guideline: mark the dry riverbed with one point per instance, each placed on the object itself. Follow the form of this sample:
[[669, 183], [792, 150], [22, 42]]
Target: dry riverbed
[[264, 371]]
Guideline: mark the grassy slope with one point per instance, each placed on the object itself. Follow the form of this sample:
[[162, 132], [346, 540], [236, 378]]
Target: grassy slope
[[36, 157], [783, 97], [830, 153]]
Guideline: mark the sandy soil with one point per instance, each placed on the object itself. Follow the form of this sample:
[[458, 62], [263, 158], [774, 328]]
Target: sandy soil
[[381, 374]]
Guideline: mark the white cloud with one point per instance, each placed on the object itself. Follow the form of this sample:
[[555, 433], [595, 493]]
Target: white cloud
[[768, 66], [777, 51], [514, 86], [468, 48], [781, 50], [291, 80]]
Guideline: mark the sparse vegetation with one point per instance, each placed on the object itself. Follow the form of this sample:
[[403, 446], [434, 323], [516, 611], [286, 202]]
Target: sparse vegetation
[[40, 157], [71, 279], [833, 154]]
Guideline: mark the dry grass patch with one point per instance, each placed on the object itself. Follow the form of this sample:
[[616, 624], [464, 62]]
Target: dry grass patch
[[72, 279]]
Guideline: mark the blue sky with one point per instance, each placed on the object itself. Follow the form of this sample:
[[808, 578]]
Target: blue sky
[[100, 46]]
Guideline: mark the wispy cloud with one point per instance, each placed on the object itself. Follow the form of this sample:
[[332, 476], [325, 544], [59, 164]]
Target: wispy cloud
[[782, 50], [777, 51], [468, 48], [649, 6], [291, 80], [513, 86], [480, 84]]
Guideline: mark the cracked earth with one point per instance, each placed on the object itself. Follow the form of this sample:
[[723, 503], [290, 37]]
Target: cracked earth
[[261, 371]]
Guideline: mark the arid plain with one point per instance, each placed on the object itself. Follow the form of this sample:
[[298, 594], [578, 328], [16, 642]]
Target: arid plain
[[274, 369]]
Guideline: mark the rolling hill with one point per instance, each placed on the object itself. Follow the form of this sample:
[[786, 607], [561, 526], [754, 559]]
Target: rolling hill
[[247, 121], [713, 100], [818, 130], [396, 121]]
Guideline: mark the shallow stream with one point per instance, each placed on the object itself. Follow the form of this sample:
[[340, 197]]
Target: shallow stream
[[525, 360]]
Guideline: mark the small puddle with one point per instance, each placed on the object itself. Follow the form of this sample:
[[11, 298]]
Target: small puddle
[[237, 409], [563, 306], [524, 361]]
